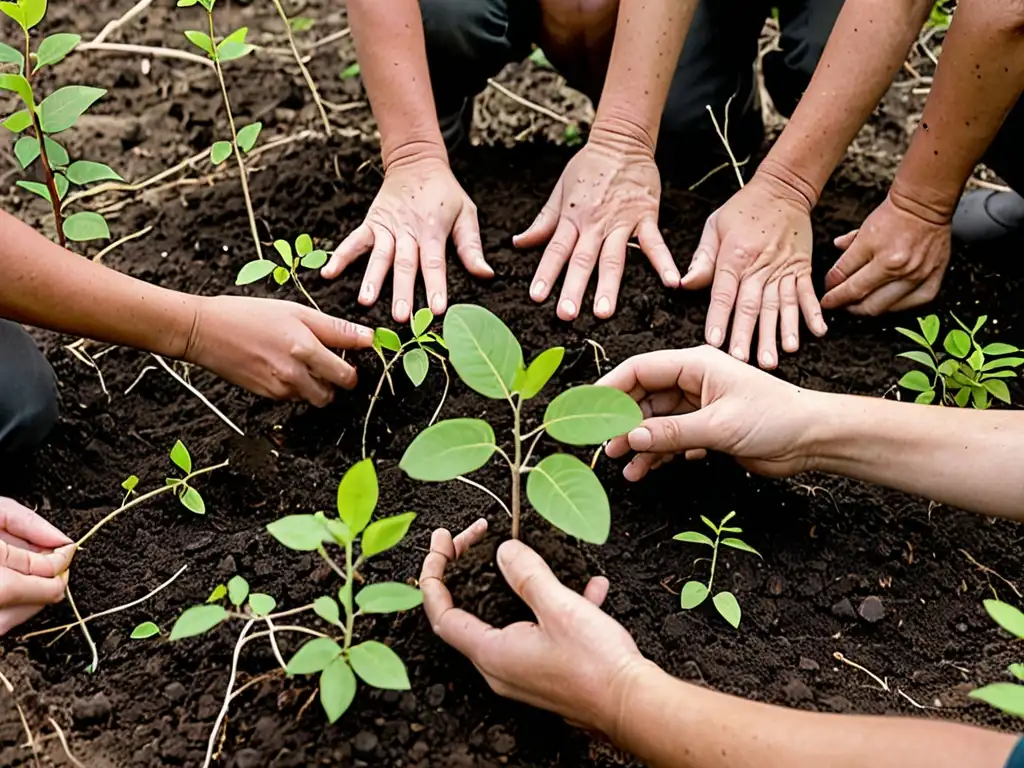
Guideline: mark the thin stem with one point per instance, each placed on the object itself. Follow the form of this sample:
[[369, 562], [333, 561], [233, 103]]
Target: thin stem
[[447, 383], [243, 174], [85, 631], [273, 644], [64, 743], [290, 612], [486, 490], [44, 158], [724, 138], [534, 432], [529, 453], [516, 479], [145, 497], [714, 561], [202, 398], [376, 395], [334, 566], [284, 628], [211, 745], [305, 72], [312, 302], [21, 714], [350, 616]]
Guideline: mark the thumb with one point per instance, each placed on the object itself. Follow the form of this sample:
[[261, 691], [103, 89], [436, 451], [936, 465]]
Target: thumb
[[543, 227], [702, 266], [531, 578], [845, 241], [337, 333], [673, 434]]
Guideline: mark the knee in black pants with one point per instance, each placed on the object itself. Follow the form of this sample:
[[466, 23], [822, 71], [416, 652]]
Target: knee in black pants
[[28, 394]]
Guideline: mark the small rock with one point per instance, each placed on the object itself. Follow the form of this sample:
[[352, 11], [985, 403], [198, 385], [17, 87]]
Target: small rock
[[365, 742], [809, 665], [175, 692], [419, 750], [691, 671], [837, 703], [265, 730], [844, 610], [92, 710], [195, 543], [435, 695], [407, 704], [227, 565], [247, 758], [111, 642], [500, 740], [675, 625], [872, 610], [797, 690], [961, 627]]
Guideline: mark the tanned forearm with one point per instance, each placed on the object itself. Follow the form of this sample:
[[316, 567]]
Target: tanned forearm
[[979, 79], [671, 724], [867, 47], [649, 38], [48, 287], [393, 62]]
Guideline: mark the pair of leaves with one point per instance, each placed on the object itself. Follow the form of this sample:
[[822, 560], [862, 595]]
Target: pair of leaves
[[415, 362], [693, 537], [307, 533], [530, 381], [230, 48], [27, 13], [1007, 697], [190, 498], [304, 255], [387, 597], [694, 593], [237, 590], [247, 137], [207, 4]]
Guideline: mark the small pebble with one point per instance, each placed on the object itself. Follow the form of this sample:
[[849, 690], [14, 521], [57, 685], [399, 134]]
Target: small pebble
[[365, 742], [872, 610], [91, 710], [844, 610], [809, 665]]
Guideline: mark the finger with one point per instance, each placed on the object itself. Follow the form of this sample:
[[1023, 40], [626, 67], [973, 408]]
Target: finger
[[596, 590], [609, 272], [748, 307], [352, 247], [845, 241], [577, 276], [856, 257], [653, 244], [767, 325], [433, 263], [469, 537], [26, 524], [337, 333], [311, 391], [381, 258], [531, 579], [326, 368], [882, 300], [809, 306], [639, 467], [406, 265], [17, 588], [696, 454], [854, 290], [789, 320], [702, 266], [924, 293], [724, 289], [665, 370], [13, 617], [466, 236], [555, 255], [545, 224], [45, 564], [673, 434]]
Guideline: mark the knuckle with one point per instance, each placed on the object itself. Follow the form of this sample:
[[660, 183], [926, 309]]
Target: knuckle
[[433, 263], [748, 306], [896, 261], [558, 250], [405, 267], [582, 260], [722, 302]]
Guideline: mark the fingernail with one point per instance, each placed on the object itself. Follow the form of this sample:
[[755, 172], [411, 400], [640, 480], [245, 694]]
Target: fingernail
[[485, 266], [437, 304], [792, 340], [715, 336], [537, 290], [640, 439], [402, 308], [368, 292], [767, 359], [671, 278], [365, 332], [738, 353], [568, 308], [604, 306]]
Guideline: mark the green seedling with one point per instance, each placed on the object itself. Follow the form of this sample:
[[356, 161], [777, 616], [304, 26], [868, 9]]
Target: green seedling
[[352, 70], [145, 630], [572, 135], [333, 655], [40, 121], [415, 355], [220, 52], [694, 592], [540, 59], [304, 256], [941, 15], [564, 490], [1008, 697], [968, 372], [302, 24]]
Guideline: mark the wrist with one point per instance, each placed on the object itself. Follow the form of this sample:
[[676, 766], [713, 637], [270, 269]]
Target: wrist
[[182, 343], [623, 134], [833, 440], [413, 152], [788, 183], [935, 206], [628, 692]]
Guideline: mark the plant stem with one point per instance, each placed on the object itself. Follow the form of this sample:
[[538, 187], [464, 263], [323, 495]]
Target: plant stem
[[714, 561], [516, 464], [350, 615], [95, 663], [312, 302], [211, 745], [234, 139], [447, 384], [305, 72], [44, 158], [486, 490], [376, 395], [334, 566]]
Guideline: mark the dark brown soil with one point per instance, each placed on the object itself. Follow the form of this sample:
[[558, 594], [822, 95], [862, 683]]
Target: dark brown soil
[[828, 543]]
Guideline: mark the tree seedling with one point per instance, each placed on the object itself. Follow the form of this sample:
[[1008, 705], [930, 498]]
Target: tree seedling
[[1008, 697], [232, 47], [303, 257], [563, 489], [968, 372], [40, 121], [694, 592]]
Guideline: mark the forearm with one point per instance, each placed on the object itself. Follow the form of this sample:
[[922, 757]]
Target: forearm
[[672, 724], [649, 38], [867, 47], [393, 62], [979, 79], [48, 287], [959, 457]]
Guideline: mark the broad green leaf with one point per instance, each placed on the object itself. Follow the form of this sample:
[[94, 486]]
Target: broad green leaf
[[327, 609], [284, 250], [303, 244], [145, 630], [540, 372], [131, 483], [55, 48], [567, 494], [352, 70], [998, 348], [483, 350], [238, 590], [709, 524], [358, 492], [247, 140], [925, 398], [314, 259], [385, 534], [87, 172], [980, 397], [261, 604], [18, 122], [9, 55], [313, 657], [63, 107], [220, 151], [379, 666], [1006, 616], [201, 41], [385, 338], [1008, 697], [421, 321], [728, 607], [337, 689], [957, 343], [26, 149], [219, 593], [1017, 670], [56, 154], [589, 415], [963, 397], [929, 327], [388, 597], [34, 11], [1003, 362], [255, 271], [919, 357], [303, 533], [449, 449], [916, 381], [35, 187], [281, 275], [416, 365], [976, 360], [20, 86], [692, 537], [738, 544], [998, 389], [949, 367], [198, 619], [192, 500], [234, 46], [915, 336], [694, 593], [181, 458], [14, 11]]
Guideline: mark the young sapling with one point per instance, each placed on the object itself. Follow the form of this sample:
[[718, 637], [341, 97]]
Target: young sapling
[[968, 372], [563, 489], [1008, 697], [695, 592], [303, 257]]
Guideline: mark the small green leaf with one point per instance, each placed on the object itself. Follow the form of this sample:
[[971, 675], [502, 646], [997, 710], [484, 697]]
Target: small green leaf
[[86, 172], [220, 151], [925, 398], [999, 375], [437, 340], [416, 365], [710, 525], [957, 343], [738, 544], [914, 336], [201, 41], [85, 225], [303, 244], [34, 11], [26, 149], [421, 321], [999, 348], [145, 630], [303, 533], [327, 609], [1003, 362], [261, 604], [238, 590], [538, 57], [345, 596], [998, 389], [192, 500], [589, 415], [197, 620], [181, 458], [358, 492], [976, 360], [337, 689], [255, 271], [948, 367], [726, 519], [385, 534], [340, 532], [919, 357], [728, 607], [247, 140], [692, 537], [385, 338], [916, 381], [1017, 670], [284, 250], [315, 259], [567, 494], [219, 593], [980, 396], [301, 23], [9, 55], [1006, 616], [20, 86], [14, 11], [929, 327], [962, 397], [55, 48], [388, 597], [281, 275], [234, 46], [313, 657], [540, 372], [482, 350], [1008, 697], [449, 449], [131, 483], [977, 325], [35, 188], [379, 666], [63, 107], [18, 122], [694, 593], [352, 70]]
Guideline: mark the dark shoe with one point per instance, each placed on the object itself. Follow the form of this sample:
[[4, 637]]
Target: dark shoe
[[988, 215]]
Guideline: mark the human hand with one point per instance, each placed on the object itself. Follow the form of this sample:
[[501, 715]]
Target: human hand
[[895, 261], [575, 660], [755, 254], [419, 204], [277, 349], [700, 399], [609, 192], [34, 561]]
